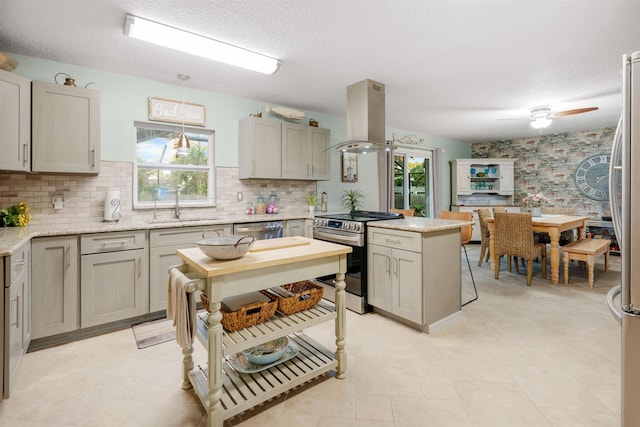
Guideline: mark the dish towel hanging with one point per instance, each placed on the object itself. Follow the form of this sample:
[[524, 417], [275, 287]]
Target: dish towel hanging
[[181, 308]]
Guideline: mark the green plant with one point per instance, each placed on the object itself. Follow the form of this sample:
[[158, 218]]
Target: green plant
[[352, 200], [15, 216], [311, 198]]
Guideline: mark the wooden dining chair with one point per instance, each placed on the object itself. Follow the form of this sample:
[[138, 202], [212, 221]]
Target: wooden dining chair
[[465, 238], [483, 214], [514, 237], [405, 212]]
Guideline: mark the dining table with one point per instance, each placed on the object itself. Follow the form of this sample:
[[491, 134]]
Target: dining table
[[551, 224]]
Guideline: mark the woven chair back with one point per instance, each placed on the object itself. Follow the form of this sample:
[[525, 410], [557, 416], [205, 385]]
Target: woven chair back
[[483, 214], [499, 209], [514, 235], [466, 230]]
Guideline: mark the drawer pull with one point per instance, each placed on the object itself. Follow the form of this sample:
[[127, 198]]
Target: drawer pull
[[114, 242], [394, 241]]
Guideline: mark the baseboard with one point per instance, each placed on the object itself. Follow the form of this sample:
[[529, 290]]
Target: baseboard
[[435, 326]]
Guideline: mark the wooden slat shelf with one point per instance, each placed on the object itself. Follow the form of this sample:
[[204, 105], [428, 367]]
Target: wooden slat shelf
[[244, 391], [277, 326]]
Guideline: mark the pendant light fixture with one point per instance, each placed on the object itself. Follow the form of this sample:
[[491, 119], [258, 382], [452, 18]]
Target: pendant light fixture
[[182, 144]]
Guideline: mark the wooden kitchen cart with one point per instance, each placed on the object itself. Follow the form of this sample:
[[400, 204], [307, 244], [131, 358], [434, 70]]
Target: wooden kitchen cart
[[223, 391]]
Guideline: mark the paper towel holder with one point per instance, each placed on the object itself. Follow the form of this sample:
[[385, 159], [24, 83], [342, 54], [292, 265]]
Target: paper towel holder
[[112, 206]]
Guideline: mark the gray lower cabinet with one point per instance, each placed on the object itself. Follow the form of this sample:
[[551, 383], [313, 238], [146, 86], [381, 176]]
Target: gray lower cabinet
[[414, 275], [395, 273], [294, 227], [162, 255], [54, 280], [114, 279], [18, 314]]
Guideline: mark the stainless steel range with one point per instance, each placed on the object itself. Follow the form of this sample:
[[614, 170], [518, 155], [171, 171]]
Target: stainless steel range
[[350, 230]]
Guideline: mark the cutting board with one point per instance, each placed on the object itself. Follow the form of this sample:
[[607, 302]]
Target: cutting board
[[283, 242]]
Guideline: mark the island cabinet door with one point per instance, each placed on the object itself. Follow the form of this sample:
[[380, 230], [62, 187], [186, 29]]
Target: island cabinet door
[[379, 276], [406, 273]]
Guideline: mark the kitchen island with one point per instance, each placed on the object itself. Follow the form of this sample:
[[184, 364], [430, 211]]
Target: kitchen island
[[415, 270], [225, 392]]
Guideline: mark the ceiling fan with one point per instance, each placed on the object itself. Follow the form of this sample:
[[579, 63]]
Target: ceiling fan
[[541, 115]]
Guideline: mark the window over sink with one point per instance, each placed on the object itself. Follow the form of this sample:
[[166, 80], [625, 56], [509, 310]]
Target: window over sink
[[159, 169]]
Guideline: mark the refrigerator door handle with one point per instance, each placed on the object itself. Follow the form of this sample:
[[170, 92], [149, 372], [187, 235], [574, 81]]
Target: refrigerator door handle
[[613, 309], [614, 183]]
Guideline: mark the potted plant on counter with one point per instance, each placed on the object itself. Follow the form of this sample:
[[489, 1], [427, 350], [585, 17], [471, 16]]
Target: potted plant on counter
[[352, 200], [312, 200]]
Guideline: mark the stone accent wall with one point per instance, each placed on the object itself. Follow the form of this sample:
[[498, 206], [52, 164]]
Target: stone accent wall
[[547, 164], [85, 194]]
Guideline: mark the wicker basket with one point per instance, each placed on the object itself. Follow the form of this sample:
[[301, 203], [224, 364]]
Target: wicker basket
[[307, 294], [248, 315]]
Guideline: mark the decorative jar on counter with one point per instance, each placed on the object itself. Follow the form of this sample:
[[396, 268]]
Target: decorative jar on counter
[[261, 206], [272, 207], [250, 209]]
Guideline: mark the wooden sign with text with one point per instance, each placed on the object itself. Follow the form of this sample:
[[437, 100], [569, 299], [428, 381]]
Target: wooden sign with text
[[167, 110]]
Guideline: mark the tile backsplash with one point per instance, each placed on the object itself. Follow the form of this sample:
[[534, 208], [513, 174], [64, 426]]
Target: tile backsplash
[[84, 195]]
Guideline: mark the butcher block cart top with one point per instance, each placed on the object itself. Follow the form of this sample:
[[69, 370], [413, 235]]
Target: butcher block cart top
[[269, 263]]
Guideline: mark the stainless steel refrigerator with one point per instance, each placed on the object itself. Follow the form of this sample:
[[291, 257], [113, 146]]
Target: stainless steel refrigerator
[[624, 193]]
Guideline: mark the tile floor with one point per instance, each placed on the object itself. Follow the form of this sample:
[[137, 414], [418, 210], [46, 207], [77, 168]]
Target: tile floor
[[519, 356]]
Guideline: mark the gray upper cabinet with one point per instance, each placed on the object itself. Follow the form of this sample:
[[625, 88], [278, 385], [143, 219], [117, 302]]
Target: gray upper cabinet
[[304, 152], [271, 149], [15, 122], [259, 148], [65, 129]]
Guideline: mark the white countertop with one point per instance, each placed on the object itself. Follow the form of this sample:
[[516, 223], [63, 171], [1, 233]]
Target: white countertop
[[418, 224], [11, 238]]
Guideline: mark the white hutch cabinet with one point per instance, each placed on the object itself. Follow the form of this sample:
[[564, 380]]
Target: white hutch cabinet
[[481, 183]]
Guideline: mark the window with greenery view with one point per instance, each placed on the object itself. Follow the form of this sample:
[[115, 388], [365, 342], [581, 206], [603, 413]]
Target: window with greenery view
[[160, 169]]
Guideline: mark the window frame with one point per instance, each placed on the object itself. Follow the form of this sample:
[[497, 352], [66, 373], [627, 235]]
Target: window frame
[[209, 168]]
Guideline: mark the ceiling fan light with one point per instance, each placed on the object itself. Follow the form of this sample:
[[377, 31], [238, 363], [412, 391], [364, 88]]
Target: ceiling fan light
[[541, 123], [194, 44]]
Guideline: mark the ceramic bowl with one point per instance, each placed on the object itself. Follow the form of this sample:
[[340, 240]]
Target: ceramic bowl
[[268, 352], [226, 247]]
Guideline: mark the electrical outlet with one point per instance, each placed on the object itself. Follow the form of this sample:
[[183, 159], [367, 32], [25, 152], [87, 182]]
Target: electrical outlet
[[239, 195]]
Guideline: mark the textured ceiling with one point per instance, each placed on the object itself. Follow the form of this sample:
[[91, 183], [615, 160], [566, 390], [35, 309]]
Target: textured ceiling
[[451, 67]]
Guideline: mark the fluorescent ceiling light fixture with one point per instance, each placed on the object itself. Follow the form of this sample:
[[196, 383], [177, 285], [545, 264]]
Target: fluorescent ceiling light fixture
[[540, 123], [184, 41]]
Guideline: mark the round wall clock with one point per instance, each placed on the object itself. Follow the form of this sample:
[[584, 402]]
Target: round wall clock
[[592, 177]]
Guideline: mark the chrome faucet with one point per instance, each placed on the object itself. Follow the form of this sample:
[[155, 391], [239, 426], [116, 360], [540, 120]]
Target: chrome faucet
[[178, 213]]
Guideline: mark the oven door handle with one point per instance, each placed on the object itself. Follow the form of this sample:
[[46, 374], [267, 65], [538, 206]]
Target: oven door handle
[[337, 238]]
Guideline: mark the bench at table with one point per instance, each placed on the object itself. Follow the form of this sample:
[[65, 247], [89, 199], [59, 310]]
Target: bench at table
[[585, 250]]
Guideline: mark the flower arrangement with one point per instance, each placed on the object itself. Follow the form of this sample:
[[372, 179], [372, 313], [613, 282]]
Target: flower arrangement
[[535, 200], [15, 216]]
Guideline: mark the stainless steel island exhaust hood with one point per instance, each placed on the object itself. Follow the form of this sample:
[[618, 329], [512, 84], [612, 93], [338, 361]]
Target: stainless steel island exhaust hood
[[365, 119]]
